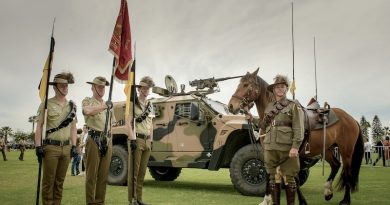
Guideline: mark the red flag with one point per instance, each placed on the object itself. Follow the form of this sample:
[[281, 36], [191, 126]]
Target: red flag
[[120, 45]]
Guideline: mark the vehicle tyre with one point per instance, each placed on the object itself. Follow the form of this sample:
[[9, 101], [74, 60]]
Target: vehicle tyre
[[247, 171], [118, 167], [164, 173]]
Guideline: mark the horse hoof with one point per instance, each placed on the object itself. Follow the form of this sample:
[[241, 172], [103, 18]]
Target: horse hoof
[[329, 197]]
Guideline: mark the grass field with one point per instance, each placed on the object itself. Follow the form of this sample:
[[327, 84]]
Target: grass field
[[18, 180]]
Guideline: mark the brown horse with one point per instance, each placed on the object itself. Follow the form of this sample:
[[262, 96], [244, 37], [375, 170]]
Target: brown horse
[[345, 134]]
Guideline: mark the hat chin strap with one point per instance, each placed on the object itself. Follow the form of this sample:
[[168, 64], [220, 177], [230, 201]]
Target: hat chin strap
[[97, 92], [55, 85]]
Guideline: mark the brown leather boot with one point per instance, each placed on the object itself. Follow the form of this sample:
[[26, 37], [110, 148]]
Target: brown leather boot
[[275, 193], [291, 189]]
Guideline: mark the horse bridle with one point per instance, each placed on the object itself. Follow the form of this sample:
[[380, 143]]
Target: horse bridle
[[248, 98]]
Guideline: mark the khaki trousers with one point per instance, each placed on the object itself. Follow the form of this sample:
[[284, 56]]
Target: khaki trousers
[[55, 165], [289, 167], [141, 158], [97, 168]]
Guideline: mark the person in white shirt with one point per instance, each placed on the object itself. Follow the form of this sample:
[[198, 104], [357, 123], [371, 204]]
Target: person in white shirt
[[367, 151]]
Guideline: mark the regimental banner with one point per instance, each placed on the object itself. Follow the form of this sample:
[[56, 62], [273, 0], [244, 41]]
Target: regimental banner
[[120, 45]]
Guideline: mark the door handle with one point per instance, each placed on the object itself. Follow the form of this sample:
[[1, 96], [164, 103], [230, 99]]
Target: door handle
[[183, 123]]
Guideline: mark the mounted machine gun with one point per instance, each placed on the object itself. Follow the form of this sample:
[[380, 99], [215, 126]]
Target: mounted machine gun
[[209, 83]]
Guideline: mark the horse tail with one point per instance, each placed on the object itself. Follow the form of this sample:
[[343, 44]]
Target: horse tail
[[350, 177]]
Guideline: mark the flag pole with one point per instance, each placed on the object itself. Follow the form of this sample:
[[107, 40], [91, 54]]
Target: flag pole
[[120, 47], [315, 67], [43, 134], [134, 93], [293, 54], [108, 116]]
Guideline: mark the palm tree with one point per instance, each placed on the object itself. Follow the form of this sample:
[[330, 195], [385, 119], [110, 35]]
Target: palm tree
[[32, 119], [6, 131], [20, 135]]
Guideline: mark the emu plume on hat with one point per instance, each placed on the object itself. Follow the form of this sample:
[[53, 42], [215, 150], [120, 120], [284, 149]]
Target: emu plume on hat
[[64, 77], [99, 81], [146, 82], [279, 79]]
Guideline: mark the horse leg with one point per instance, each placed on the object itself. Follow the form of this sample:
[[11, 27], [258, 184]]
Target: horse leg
[[347, 196], [301, 198], [335, 166]]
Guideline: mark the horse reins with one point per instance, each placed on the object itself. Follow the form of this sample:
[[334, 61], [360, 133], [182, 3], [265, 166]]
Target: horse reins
[[246, 101]]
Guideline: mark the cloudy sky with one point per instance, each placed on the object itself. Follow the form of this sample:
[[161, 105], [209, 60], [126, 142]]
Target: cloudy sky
[[200, 39]]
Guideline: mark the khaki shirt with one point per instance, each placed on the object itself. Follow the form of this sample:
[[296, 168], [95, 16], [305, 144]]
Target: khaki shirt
[[56, 113], [144, 127], [98, 121], [283, 138]]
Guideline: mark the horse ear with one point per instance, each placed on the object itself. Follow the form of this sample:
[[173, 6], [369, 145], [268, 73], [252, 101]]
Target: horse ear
[[256, 71]]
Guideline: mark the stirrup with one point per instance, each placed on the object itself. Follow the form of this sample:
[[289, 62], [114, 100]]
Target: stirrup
[[307, 148]]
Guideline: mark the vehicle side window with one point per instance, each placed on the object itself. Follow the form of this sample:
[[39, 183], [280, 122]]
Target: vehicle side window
[[183, 110]]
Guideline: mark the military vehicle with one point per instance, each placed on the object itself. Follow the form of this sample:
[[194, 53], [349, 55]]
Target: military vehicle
[[193, 131]]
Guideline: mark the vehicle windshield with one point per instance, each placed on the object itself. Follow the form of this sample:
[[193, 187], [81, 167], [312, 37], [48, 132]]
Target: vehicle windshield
[[217, 106]]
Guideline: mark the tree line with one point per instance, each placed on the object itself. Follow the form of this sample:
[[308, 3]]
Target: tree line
[[377, 130], [6, 132]]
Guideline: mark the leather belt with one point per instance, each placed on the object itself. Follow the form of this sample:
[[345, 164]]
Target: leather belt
[[55, 142], [142, 136], [281, 123], [94, 133]]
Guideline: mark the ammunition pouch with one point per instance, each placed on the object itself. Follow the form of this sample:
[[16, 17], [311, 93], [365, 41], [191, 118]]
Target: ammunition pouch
[[69, 118], [100, 138]]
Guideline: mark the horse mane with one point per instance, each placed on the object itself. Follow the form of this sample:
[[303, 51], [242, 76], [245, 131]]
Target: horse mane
[[264, 93]]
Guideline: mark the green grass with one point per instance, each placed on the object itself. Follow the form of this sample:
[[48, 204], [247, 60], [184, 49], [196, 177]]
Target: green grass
[[18, 182]]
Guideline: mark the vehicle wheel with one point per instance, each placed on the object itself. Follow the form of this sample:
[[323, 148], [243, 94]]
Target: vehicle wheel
[[118, 167], [303, 176], [247, 171], [164, 173]]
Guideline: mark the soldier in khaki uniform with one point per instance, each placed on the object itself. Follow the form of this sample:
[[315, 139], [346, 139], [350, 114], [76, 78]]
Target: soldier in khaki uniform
[[2, 147], [140, 144], [284, 134], [60, 141], [98, 149], [22, 148]]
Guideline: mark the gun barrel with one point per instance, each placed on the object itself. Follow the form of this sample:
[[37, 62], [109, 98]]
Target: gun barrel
[[227, 78], [209, 82]]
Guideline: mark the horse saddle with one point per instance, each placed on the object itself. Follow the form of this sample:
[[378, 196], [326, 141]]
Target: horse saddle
[[316, 115]]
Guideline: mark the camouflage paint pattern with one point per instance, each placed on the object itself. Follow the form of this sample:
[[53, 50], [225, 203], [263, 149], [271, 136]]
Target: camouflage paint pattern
[[178, 140]]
